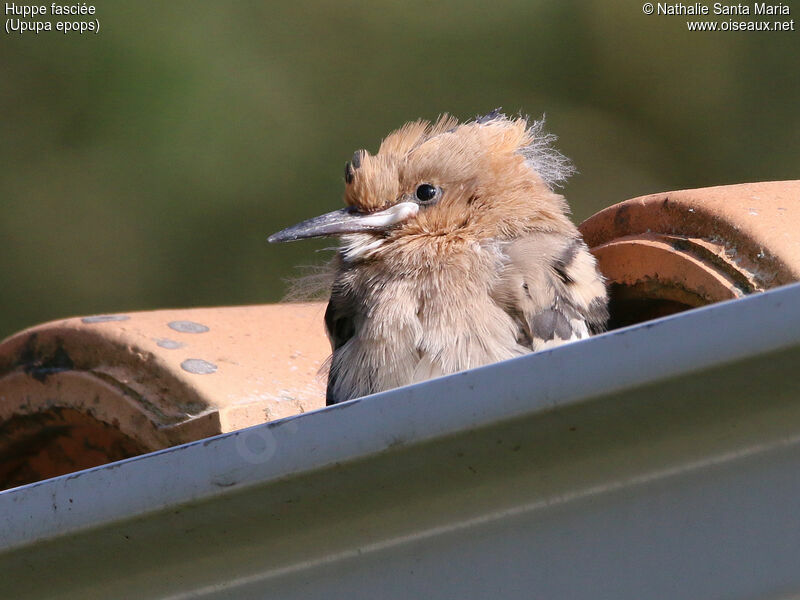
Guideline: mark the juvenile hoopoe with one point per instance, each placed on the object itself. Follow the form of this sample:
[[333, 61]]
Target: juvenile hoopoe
[[455, 252]]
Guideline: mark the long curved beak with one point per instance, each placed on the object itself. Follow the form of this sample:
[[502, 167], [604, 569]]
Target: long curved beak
[[347, 220]]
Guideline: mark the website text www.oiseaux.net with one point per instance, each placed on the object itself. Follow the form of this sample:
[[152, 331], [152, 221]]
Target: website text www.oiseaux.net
[[763, 15]]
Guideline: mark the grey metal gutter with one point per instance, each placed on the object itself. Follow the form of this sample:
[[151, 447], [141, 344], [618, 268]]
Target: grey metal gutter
[[658, 461]]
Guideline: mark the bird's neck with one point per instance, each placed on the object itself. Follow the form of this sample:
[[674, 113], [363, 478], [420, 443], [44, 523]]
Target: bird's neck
[[420, 256]]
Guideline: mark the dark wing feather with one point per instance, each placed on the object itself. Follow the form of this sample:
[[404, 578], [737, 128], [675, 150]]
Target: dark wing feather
[[340, 325]]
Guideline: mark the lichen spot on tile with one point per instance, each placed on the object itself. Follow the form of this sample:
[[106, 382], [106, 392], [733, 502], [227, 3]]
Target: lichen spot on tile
[[104, 318], [169, 344], [198, 366], [187, 327]]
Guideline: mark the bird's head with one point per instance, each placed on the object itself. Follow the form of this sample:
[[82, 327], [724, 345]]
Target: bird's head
[[489, 178]]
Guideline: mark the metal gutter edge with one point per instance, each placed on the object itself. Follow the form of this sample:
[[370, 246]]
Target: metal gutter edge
[[689, 342]]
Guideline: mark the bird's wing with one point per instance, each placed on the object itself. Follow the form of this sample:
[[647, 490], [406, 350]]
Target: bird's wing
[[340, 325], [552, 289]]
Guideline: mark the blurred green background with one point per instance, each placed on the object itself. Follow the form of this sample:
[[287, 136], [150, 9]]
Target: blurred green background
[[143, 167]]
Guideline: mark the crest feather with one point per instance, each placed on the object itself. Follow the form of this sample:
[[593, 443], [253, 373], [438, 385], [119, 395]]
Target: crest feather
[[540, 154], [542, 157], [413, 134]]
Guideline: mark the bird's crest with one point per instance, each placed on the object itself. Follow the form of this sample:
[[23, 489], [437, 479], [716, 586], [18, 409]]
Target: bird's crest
[[371, 179]]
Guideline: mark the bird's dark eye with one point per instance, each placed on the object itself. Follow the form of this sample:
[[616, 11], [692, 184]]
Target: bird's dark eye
[[426, 192]]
